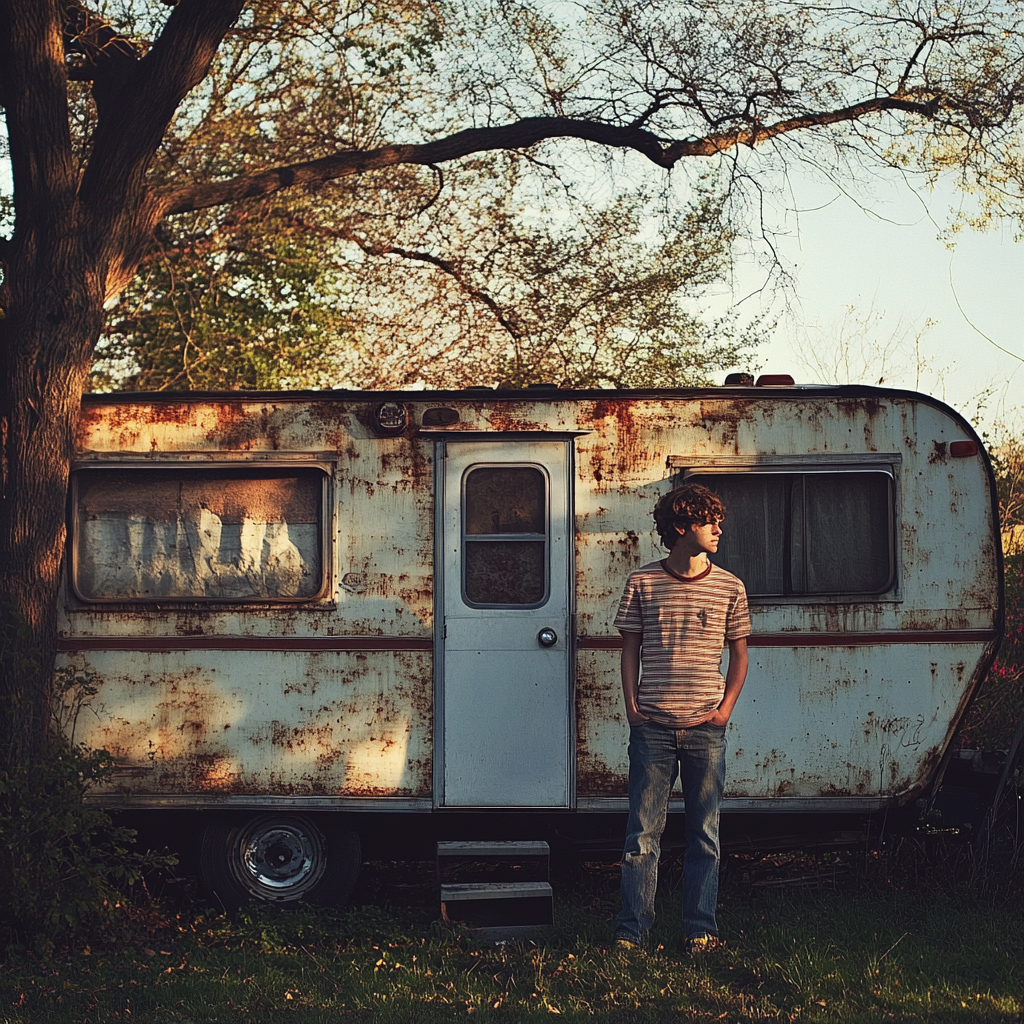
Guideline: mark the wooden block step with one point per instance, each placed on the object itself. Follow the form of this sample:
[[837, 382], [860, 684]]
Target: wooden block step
[[494, 848], [499, 910], [492, 861]]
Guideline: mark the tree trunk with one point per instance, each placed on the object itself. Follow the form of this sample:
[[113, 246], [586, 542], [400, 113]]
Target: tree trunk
[[53, 311]]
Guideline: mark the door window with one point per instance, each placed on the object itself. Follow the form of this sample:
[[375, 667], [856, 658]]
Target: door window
[[505, 536]]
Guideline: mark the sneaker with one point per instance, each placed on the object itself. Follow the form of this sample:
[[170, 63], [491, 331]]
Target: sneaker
[[624, 945], [700, 945]]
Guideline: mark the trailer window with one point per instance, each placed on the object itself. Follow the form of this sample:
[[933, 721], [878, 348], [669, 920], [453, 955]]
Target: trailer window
[[505, 536], [807, 533], [185, 534]]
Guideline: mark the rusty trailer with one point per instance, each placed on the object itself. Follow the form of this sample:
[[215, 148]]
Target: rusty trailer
[[308, 616]]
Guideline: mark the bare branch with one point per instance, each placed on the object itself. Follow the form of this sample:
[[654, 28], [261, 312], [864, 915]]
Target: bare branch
[[452, 270], [448, 267], [518, 135]]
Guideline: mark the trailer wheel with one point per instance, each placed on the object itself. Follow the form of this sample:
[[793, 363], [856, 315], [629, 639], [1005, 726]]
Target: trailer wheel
[[279, 858]]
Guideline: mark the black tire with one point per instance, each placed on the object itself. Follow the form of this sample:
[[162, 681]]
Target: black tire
[[279, 858]]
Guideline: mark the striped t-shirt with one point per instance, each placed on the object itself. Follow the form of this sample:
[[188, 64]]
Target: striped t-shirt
[[685, 624]]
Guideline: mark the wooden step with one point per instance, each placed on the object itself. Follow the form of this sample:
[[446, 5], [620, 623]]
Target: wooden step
[[496, 890], [499, 910], [493, 861]]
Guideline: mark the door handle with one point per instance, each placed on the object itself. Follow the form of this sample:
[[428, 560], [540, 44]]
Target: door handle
[[547, 637]]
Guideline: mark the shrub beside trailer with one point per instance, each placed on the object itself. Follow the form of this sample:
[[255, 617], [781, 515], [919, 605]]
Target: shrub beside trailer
[[315, 618]]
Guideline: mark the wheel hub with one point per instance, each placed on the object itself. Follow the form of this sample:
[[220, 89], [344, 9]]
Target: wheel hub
[[281, 860]]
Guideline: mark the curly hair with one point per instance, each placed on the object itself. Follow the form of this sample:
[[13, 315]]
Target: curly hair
[[686, 506]]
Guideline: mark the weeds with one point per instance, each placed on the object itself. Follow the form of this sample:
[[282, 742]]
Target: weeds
[[861, 949], [64, 866]]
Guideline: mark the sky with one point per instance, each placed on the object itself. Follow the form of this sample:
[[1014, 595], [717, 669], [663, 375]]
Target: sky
[[948, 312]]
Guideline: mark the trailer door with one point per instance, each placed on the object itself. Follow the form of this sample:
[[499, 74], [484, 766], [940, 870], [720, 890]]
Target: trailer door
[[504, 638]]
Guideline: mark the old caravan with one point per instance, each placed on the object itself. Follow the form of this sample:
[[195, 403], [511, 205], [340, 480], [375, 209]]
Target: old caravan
[[310, 615]]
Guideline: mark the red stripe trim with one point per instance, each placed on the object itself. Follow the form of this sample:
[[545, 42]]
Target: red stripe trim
[[909, 636], [408, 643], [244, 643], [807, 639]]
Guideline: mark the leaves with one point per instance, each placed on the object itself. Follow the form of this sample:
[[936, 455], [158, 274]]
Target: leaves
[[506, 284], [994, 715], [63, 865]]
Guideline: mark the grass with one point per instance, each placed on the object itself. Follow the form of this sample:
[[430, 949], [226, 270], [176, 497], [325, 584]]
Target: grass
[[848, 946]]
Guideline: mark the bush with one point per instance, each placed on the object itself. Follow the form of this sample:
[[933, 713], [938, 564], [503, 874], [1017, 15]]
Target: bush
[[64, 866], [994, 714]]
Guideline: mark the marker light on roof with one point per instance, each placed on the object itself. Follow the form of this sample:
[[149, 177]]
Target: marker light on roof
[[963, 449]]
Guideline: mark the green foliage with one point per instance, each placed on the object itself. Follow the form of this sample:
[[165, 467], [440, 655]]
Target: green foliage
[[1008, 462], [60, 861], [246, 304], [992, 718], [994, 715], [64, 867], [501, 284]]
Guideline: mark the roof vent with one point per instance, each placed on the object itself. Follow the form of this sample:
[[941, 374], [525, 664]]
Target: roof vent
[[775, 380], [739, 380], [440, 417]]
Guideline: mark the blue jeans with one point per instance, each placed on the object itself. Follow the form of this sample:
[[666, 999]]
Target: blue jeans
[[657, 754]]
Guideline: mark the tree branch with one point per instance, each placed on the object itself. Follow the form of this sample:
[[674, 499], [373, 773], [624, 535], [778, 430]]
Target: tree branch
[[518, 135], [448, 267], [104, 51], [135, 120], [752, 136], [451, 269]]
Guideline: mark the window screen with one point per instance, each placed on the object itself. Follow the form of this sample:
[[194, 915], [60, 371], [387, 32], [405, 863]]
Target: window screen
[[191, 534], [505, 536], [812, 533]]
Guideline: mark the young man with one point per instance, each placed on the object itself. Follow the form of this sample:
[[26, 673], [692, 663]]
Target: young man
[[675, 618]]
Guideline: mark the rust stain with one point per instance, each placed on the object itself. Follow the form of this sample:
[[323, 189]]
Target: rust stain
[[624, 443], [419, 600], [595, 779], [722, 421], [354, 726], [603, 562], [376, 738], [516, 416], [600, 726], [870, 405], [328, 414], [205, 773], [983, 587], [122, 426], [408, 464], [118, 415]]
